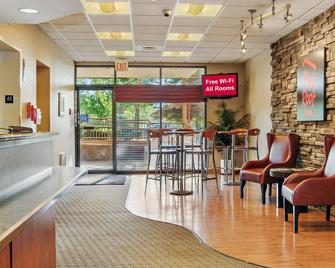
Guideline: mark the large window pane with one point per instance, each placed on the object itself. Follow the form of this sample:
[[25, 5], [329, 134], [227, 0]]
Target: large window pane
[[95, 76], [138, 76], [96, 142], [182, 76], [183, 115], [133, 120]]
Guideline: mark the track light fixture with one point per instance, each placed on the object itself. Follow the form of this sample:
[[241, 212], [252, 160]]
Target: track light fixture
[[243, 35], [252, 11], [260, 24], [273, 8], [288, 15], [243, 30]]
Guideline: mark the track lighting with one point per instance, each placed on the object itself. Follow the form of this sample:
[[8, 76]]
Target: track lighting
[[243, 50], [260, 24], [243, 30], [252, 11], [273, 8], [288, 15]]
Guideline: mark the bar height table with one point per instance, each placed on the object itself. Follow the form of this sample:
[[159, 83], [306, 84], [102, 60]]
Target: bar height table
[[180, 160], [231, 170]]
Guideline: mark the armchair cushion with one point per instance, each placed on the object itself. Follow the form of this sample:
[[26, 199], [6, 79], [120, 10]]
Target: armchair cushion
[[251, 174], [313, 191], [279, 149], [330, 164], [282, 153]]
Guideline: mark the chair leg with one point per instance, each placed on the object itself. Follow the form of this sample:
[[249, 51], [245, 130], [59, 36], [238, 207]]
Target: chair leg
[[328, 213], [215, 174], [286, 209], [270, 189], [295, 218], [242, 184], [263, 189], [147, 177]]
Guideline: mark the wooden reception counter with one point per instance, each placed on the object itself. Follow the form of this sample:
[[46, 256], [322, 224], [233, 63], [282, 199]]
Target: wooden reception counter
[[29, 186]]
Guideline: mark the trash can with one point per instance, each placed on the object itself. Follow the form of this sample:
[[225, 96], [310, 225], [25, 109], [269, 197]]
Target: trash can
[[62, 159]]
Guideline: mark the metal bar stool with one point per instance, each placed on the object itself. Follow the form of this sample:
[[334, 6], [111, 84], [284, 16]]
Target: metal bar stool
[[205, 152], [154, 137]]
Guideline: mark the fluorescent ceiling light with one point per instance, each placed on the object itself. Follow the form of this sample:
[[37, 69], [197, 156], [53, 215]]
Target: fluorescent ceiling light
[[199, 10], [176, 53], [120, 53], [184, 37], [115, 35], [99, 8], [29, 10]]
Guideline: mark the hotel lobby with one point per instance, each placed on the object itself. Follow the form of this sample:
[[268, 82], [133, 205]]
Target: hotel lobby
[[167, 133]]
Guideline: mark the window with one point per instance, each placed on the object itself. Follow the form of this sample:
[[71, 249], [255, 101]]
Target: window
[[95, 76], [139, 76], [182, 76]]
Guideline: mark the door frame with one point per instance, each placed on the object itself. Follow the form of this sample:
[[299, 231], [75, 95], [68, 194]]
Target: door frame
[[78, 88]]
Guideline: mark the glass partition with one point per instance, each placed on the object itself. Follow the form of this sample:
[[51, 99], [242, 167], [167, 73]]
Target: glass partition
[[182, 76], [95, 76], [139, 76]]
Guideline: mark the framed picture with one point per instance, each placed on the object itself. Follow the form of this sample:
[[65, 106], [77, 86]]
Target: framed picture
[[311, 86], [61, 104]]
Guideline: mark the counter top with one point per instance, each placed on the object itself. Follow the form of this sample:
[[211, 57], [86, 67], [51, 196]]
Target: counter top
[[8, 140], [19, 207]]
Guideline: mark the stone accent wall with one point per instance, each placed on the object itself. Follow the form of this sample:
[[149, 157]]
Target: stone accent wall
[[316, 34]]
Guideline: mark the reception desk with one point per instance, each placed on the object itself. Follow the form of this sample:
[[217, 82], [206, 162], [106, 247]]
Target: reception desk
[[29, 187]]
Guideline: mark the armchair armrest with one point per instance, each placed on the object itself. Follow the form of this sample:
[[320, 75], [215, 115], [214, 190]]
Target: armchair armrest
[[256, 163], [266, 171], [301, 176], [315, 191]]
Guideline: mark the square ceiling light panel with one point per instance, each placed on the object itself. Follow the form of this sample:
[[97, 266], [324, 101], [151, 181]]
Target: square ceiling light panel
[[99, 8], [176, 53], [115, 35], [200, 10], [120, 53], [184, 37]]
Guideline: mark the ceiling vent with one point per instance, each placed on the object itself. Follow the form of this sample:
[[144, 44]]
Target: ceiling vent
[[148, 48]]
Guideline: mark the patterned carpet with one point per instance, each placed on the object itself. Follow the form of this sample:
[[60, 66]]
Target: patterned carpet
[[94, 229]]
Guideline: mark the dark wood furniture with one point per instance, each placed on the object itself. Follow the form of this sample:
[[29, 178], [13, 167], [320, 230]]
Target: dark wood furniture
[[29, 187], [312, 188], [281, 174], [282, 153]]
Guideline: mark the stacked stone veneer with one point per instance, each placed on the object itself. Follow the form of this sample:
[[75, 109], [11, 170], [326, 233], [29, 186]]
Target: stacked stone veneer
[[318, 33]]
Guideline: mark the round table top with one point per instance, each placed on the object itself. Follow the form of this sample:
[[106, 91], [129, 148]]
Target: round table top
[[237, 131], [181, 132], [285, 172]]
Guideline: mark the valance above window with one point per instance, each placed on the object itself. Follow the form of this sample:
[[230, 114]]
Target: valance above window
[[175, 94]]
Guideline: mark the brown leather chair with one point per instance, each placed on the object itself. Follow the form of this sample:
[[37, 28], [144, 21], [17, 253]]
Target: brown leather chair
[[282, 153], [303, 189]]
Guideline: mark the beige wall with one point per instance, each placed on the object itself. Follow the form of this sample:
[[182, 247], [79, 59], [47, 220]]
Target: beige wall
[[9, 85], [35, 45], [258, 98]]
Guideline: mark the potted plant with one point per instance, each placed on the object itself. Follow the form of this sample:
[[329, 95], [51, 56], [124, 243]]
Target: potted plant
[[228, 119]]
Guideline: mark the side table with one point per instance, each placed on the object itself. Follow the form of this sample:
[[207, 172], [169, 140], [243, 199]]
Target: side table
[[281, 174]]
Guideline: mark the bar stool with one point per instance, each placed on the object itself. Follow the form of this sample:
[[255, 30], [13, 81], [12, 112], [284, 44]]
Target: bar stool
[[154, 137], [250, 143], [205, 151]]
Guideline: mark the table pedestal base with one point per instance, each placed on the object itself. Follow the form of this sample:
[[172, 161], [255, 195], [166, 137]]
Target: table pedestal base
[[181, 192], [231, 183]]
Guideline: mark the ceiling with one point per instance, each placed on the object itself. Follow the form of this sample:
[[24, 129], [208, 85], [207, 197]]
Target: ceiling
[[220, 35]]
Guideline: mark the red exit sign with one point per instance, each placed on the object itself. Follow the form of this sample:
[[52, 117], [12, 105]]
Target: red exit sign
[[121, 65], [220, 85]]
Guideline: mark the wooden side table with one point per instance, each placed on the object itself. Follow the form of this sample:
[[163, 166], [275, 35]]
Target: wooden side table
[[281, 174]]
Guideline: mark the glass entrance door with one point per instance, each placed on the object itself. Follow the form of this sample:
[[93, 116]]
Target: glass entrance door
[[96, 128]]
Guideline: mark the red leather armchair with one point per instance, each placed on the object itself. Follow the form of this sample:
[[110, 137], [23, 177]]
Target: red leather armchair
[[312, 188], [282, 153]]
